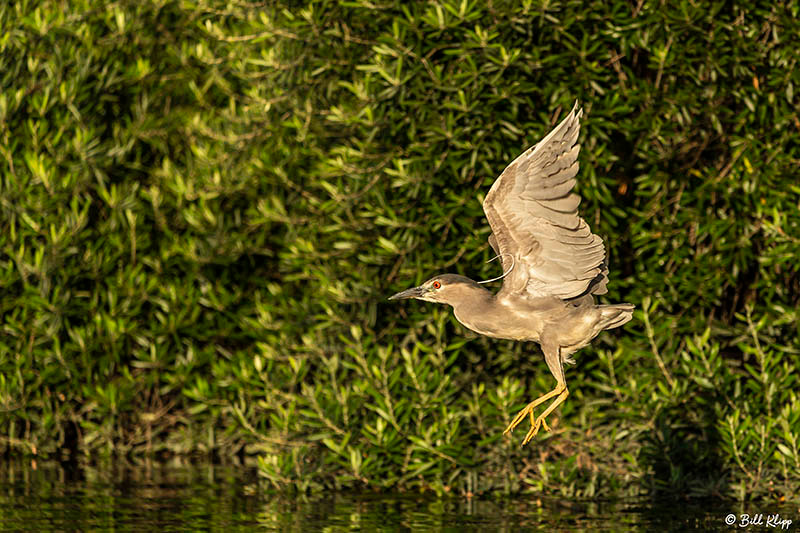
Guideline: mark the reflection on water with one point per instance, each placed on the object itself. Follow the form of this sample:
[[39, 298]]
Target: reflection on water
[[208, 497]]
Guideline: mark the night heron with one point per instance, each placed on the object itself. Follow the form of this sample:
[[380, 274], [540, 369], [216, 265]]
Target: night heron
[[552, 265]]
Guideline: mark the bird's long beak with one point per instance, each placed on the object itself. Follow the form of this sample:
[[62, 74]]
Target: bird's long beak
[[414, 292]]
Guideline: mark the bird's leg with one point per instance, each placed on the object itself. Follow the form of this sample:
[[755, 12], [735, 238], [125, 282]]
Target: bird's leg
[[528, 410], [552, 355], [535, 424]]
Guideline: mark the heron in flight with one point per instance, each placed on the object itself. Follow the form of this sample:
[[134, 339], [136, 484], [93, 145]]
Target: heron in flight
[[552, 262]]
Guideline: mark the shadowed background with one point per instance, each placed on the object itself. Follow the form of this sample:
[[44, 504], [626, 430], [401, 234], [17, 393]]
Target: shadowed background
[[204, 205]]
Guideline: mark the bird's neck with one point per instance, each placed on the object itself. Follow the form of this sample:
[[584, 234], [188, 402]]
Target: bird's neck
[[475, 297], [476, 309]]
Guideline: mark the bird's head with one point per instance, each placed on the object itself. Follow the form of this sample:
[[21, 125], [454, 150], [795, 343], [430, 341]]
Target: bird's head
[[443, 289]]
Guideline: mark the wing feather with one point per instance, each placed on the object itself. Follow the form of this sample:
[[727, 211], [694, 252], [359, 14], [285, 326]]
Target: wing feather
[[534, 218]]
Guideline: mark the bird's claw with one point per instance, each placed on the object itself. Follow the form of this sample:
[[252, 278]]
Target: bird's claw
[[535, 425]]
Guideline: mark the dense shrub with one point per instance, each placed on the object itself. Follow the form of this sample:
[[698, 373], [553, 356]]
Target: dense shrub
[[205, 204]]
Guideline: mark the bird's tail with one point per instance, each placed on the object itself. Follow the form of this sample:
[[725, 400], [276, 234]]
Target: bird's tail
[[615, 315]]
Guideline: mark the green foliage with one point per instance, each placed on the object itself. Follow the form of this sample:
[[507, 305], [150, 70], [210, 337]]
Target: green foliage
[[205, 204]]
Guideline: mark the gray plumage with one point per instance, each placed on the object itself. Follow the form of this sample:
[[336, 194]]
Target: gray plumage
[[552, 261]]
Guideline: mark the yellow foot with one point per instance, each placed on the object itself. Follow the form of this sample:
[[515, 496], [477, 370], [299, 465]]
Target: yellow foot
[[535, 425], [528, 410], [560, 392]]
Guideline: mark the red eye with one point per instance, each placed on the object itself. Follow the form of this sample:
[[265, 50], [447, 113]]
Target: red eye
[[436, 285]]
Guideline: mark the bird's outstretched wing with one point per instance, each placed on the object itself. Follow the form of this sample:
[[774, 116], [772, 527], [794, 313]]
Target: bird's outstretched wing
[[534, 218]]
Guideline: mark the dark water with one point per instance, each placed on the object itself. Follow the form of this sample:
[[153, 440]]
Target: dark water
[[214, 498]]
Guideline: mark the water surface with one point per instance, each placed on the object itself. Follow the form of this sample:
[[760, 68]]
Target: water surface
[[228, 498]]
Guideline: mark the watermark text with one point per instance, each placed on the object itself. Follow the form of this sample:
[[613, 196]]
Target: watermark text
[[759, 520]]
